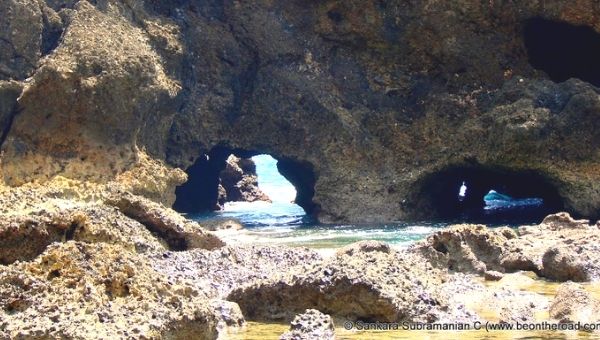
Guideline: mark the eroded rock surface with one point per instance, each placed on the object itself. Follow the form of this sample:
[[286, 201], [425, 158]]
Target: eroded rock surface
[[376, 284], [25, 237], [179, 232], [311, 324], [355, 99], [79, 290], [222, 270], [560, 248], [467, 248], [240, 182], [574, 304]]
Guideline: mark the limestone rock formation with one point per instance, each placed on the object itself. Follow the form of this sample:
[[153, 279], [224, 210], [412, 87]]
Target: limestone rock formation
[[240, 182], [179, 232], [367, 285], [574, 304], [24, 237], [560, 248], [375, 111], [467, 248], [311, 324], [219, 271], [79, 290]]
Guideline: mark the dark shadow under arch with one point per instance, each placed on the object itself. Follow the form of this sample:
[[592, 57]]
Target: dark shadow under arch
[[200, 192], [437, 194], [563, 50]]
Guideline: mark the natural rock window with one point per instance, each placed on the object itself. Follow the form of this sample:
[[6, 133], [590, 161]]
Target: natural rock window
[[492, 195], [225, 175], [562, 50]]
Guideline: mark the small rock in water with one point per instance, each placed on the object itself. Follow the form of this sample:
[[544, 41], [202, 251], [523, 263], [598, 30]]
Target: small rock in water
[[365, 247], [492, 275], [219, 224]]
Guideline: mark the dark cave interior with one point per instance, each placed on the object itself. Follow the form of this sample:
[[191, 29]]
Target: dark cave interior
[[438, 196], [562, 50]]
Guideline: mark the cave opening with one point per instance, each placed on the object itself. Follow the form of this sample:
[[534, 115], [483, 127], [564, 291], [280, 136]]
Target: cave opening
[[487, 195], [563, 50], [225, 175]]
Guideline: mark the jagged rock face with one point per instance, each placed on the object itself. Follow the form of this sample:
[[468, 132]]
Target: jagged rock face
[[311, 324], [574, 304], [401, 287], [240, 181], [560, 248], [365, 101], [467, 248], [78, 290]]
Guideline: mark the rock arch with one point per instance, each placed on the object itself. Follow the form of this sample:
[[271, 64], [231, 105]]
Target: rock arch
[[200, 192], [438, 191]]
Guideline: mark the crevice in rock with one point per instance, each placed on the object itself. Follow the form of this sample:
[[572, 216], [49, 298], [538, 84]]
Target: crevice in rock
[[70, 232], [201, 192], [563, 50], [7, 124], [51, 35]]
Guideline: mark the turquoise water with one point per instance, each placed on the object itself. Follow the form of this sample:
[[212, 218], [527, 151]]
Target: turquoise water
[[495, 200], [282, 222], [273, 183]]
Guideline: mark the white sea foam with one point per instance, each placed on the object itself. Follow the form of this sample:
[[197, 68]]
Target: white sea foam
[[282, 222]]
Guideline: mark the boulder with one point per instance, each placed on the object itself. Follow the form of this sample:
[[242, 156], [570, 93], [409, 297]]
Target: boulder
[[222, 224], [367, 285], [577, 261], [560, 248], [492, 275], [467, 248], [364, 247], [311, 324], [563, 220], [240, 181], [574, 304], [219, 271], [179, 232]]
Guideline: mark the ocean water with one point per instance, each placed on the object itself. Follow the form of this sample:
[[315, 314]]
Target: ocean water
[[283, 222]]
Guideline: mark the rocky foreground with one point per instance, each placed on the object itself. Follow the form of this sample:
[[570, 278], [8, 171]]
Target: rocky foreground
[[100, 262]]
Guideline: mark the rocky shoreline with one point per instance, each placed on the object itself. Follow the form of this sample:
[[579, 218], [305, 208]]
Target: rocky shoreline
[[114, 111], [114, 264]]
